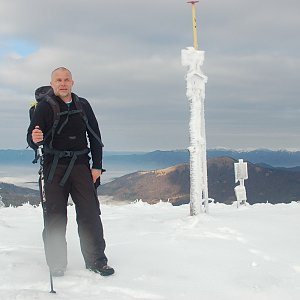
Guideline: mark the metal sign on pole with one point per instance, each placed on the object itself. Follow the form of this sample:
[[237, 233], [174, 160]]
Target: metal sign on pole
[[192, 58], [240, 170], [241, 174]]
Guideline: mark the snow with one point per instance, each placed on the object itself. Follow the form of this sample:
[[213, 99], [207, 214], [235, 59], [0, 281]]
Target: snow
[[160, 252]]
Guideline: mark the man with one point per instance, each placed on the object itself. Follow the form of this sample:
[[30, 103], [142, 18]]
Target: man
[[67, 172]]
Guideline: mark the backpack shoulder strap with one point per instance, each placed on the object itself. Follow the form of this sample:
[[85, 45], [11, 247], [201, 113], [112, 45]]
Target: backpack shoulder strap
[[55, 107], [56, 116], [79, 107]]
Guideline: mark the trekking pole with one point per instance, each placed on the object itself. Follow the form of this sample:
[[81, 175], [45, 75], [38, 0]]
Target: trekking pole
[[43, 194]]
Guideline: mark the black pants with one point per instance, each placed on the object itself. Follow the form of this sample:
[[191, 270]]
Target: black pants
[[81, 188]]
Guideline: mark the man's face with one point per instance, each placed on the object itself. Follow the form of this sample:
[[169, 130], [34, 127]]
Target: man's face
[[62, 84]]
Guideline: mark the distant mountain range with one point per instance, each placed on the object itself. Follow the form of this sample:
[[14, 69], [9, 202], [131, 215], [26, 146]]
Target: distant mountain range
[[265, 184], [274, 176], [163, 159]]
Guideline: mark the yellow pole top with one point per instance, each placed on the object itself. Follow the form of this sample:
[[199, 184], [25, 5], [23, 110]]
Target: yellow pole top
[[194, 23]]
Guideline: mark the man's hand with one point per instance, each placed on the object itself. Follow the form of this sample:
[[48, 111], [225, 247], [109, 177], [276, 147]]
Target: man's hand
[[37, 135], [96, 174]]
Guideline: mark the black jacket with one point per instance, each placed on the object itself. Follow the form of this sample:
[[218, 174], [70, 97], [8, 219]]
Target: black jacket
[[73, 136]]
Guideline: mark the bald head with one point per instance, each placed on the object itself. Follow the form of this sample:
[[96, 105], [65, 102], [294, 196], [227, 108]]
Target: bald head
[[61, 69], [62, 83]]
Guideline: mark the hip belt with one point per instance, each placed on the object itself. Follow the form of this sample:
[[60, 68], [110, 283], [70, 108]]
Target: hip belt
[[63, 154]]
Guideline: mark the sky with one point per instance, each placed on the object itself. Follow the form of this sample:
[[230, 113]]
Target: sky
[[125, 57]]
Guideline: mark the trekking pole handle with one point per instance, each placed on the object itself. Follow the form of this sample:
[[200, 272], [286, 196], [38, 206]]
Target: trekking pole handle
[[40, 149]]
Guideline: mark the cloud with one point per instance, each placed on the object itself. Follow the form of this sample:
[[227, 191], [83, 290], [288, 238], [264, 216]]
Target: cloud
[[125, 58]]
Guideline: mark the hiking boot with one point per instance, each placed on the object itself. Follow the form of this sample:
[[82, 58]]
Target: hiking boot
[[57, 272], [102, 268]]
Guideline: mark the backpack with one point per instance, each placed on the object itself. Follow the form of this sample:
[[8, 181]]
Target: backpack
[[45, 93]]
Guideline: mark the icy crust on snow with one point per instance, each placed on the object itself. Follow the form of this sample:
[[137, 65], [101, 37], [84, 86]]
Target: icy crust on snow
[[160, 252], [196, 80]]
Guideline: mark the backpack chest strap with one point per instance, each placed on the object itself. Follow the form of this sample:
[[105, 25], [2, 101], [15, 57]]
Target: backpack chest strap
[[68, 113]]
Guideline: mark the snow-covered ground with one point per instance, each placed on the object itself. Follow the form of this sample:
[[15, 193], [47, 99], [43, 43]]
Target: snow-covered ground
[[160, 252]]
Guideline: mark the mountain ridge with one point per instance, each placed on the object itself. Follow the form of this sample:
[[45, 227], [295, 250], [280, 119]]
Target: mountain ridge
[[273, 185]]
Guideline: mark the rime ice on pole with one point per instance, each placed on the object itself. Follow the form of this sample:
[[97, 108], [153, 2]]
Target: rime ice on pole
[[193, 59]]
